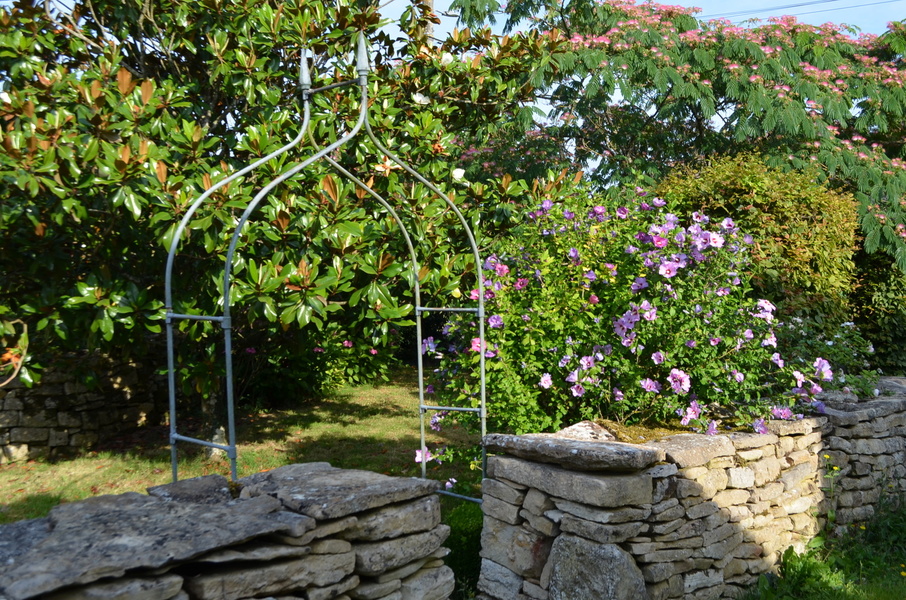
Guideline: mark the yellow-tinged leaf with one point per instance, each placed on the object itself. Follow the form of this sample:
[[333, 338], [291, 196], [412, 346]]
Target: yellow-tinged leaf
[[147, 91], [330, 187], [161, 169], [282, 220], [125, 154], [95, 89], [124, 82], [206, 181]]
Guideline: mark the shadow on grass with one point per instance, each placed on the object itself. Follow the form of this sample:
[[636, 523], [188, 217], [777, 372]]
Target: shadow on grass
[[27, 506]]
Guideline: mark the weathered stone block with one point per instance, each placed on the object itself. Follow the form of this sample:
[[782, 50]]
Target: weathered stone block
[[513, 547], [9, 418], [605, 534], [686, 488], [750, 455], [502, 491], [571, 578], [740, 477], [603, 491], [209, 489], [747, 441], [325, 492], [574, 454], [670, 514], [271, 578], [702, 510], [428, 584], [731, 498], [537, 502], [765, 470], [20, 435], [75, 554], [57, 437], [794, 476], [395, 520], [498, 581], [160, 588], [540, 523], [372, 590], [712, 482], [693, 449], [373, 558], [332, 592], [610, 517], [500, 510], [701, 579]]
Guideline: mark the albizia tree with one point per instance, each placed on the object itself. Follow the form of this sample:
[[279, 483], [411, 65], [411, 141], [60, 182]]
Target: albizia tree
[[636, 90]]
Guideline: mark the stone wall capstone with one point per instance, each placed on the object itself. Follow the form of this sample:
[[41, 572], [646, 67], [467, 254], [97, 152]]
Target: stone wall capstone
[[688, 517], [299, 532]]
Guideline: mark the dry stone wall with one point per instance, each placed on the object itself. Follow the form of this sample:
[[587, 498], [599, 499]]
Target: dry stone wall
[[300, 532], [689, 517], [61, 416]]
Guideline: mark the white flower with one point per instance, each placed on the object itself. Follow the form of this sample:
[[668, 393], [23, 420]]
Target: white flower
[[5, 98], [459, 174], [877, 392], [446, 58], [420, 98]]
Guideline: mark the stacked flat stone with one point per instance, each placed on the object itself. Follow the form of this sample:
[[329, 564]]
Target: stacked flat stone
[[691, 516], [868, 447], [60, 416], [306, 532]]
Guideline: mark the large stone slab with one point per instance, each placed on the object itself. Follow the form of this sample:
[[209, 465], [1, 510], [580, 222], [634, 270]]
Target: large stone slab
[[325, 492], [18, 538], [584, 569], [516, 548], [233, 583], [373, 558], [210, 489], [603, 491], [158, 588], [396, 520], [695, 449], [574, 454], [109, 535]]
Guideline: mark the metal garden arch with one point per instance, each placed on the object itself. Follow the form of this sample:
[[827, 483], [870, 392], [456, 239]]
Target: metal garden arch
[[363, 68]]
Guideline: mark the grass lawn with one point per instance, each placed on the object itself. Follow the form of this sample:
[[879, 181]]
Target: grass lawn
[[373, 428]]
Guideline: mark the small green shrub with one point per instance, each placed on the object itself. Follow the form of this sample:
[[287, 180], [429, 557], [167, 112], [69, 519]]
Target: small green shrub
[[802, 259], [880, 301]]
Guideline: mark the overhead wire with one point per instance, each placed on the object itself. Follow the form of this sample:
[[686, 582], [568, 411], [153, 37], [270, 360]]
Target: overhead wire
[[743, 13]]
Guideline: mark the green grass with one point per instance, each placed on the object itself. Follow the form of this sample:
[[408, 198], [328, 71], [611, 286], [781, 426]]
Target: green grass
[[372, 428], [869, 563]]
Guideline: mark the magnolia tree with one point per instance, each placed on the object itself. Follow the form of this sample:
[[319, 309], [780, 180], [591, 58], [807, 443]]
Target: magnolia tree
[[638, 89], [117, 115]]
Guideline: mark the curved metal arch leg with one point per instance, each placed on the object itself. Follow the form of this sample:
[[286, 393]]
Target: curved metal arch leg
[[305, 85]]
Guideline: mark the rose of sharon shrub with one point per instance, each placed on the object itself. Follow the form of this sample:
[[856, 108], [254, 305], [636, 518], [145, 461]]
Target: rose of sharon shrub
[[625, 311]]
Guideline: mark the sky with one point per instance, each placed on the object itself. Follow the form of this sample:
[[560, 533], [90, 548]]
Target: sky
[[870, 16]]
